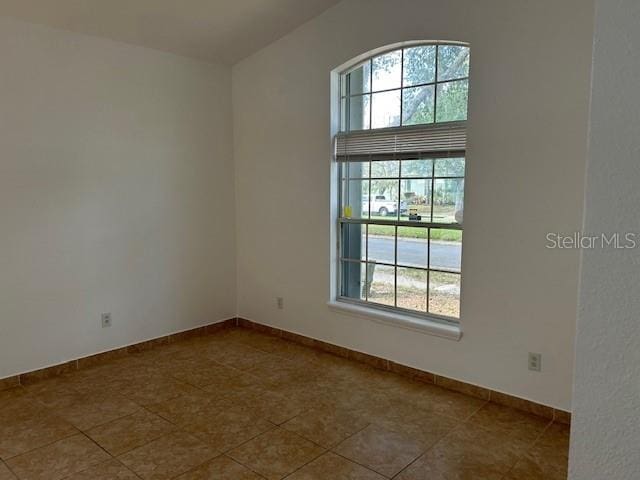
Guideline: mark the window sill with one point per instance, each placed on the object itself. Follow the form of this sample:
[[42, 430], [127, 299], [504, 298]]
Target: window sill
[[430, 327]]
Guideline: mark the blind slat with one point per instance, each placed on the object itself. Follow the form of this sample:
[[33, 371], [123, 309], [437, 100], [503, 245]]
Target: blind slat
[[403, 142]]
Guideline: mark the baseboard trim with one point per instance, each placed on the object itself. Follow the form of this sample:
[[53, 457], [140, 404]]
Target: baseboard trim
[[34, 376], [500, 398]]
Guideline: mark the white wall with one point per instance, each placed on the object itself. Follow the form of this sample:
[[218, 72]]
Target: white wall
[[527, 142], [606, 421], [116, 195]]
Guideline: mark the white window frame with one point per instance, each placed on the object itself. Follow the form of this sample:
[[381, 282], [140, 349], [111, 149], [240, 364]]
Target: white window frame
[[440, 325]]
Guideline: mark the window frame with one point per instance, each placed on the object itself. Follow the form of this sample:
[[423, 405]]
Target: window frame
[[343, 102], [346, 95]]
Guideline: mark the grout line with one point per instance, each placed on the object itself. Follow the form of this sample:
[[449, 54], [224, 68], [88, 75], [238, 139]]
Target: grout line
[[324, 452], [360, 464], [111, 457], [98, 445], [332, 450], [522, 456], [350, 459], [77, 432], [324, 449], [437, 442], [128, 469], [412, 462], [242, 464], [9, 468]]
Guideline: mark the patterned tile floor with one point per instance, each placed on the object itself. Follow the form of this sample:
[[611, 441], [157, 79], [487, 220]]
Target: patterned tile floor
[[242, 405]]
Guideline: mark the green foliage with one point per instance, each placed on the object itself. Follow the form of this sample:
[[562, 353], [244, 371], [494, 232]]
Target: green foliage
[[452, 99], [443, 102]]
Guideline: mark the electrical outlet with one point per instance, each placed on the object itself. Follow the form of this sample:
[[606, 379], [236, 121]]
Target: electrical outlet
[[535, 362], [280, 303], [106, 320]]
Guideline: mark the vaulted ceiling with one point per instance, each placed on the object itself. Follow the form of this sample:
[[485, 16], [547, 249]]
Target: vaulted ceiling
[[223, 31]]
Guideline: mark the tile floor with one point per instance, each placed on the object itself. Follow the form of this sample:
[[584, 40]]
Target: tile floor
[[242, 405]]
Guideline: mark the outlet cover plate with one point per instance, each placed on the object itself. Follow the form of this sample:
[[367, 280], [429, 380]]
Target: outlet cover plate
[[106, 320], [535, 362]]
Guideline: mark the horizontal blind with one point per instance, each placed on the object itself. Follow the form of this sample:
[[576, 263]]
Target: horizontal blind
[[443, 139]]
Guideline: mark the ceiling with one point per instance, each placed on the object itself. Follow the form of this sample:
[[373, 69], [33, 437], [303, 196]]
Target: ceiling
[[223, 31]]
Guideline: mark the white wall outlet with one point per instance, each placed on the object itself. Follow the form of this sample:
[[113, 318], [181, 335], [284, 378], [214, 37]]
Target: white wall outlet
[[535, 362], [280, 303], [106, 320]]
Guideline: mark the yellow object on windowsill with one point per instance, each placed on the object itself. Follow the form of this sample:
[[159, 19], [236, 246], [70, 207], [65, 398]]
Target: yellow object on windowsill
[[348, 211]]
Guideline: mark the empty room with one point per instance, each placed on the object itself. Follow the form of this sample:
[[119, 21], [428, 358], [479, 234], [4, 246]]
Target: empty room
[[319, 240]]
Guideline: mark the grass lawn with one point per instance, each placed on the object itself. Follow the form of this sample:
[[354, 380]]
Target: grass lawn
[[419, 233]]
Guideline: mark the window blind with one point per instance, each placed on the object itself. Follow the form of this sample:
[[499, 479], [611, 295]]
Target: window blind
[[436, 140]]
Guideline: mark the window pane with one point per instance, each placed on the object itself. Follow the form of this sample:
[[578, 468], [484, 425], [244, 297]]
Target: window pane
[[451, 103], [355, 199], [382, 288], [382, 243], [453, 62], [448, 197], [446, 249], [343, 114], [384, 199], [418, 105], [444, 294], [343, 85], [386, 71], [449, 167], [355, 170], [360, 79], [412, 289], [419, 65], [385, 109], [353, 280], [386, 169], [417, 168], [413, 246], [359, 112], [416, 195], [354, 241]]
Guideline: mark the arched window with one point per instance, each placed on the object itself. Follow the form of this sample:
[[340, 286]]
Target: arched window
[[401, 157]]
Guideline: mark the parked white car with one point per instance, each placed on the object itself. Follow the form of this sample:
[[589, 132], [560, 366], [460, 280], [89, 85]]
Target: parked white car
[[383, 207]]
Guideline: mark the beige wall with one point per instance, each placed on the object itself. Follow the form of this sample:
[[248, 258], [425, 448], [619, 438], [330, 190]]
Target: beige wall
[[116, 195], [526, 157]]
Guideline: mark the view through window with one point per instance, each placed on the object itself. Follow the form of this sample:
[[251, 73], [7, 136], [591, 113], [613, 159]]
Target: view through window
[[402, 166]]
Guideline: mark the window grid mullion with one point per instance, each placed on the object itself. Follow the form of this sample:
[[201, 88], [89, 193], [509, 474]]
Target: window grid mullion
[[366, 265], [398, 207], [347, 118], [401, 88], [413, 267], [435, 88], [370, 167], [417, 85], [395, 268], [433, 195], [405, 178], [402, 223], [370, 93], [428, 266]]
